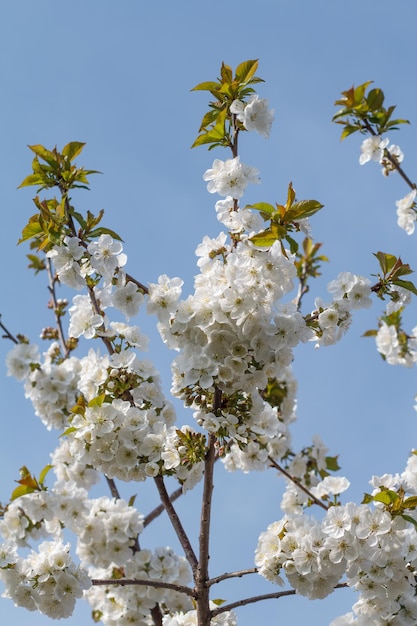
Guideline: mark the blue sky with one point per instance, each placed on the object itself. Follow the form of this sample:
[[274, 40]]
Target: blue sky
[[118, 76]]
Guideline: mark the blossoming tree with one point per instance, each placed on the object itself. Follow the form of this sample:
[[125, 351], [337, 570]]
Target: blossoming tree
[[234, 338]]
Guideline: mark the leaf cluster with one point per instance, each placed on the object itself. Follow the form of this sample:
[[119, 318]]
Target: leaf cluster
[[392, 271], [54, 218], [394, 502], [56, 169], [29, 483], [217, 126], [363, 111], [283, 219]]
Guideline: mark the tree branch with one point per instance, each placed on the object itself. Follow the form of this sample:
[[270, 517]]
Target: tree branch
[[176, 523], [158, 584], [267, 596], [297, 483], [51, 288], [8, 334], [160, 509], [226, 575]]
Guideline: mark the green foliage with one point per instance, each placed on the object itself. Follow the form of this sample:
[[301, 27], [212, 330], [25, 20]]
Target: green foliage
[[57, 169], [29, 483], [392, 270], [218, 125], [394, 502], [55, 218], [283, 219], [364, 112]]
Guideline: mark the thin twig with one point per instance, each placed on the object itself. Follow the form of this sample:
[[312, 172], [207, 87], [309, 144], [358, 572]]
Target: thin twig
[[158, 584], [8, 334], [113, 488], [227, 575], [176, 523], [58, 317], [297, 483], [391, 159], [160, 509], [267, 596]]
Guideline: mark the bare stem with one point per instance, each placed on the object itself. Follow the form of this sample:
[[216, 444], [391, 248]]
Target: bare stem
[[176, 523], [297, 483], [58, 317], [160, 509], [390, 158], [158, 584], [267, 596], [227, 575], [8, 334]]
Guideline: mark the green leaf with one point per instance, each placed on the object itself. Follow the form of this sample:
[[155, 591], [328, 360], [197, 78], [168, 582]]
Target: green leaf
[[410, 519], [269, 236], [207, 86], [226, 74], [73, 149], [406, 284], [45, 155], [21, 490], [43, 474], [370, 333], [266, 209], [132, 500], [245, 71], [31, 230], [213, 135], [386, 261], [97, 401], [386, 497], [332, 464], [375, 99], [410, 503], [33, 179], [104, 231], [69, 430], [303, 209]]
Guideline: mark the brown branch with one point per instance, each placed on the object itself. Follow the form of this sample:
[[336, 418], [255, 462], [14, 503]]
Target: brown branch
[[160, 509], [176, 523], [227, 575], [390, 158], [113, 488], [52, 282], [297, 483], [8, 334], [202, 575], [267, 596], [158, 584]]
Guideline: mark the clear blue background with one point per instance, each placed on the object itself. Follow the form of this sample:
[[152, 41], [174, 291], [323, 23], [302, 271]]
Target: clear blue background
[[118, 75]]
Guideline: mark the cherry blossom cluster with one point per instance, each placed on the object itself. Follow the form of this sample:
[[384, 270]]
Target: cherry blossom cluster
[[46, 580], [374, 549], [377, 149], [132, 604]]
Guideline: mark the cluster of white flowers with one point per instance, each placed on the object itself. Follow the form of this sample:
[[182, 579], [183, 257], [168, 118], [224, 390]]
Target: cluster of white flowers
[[230, 178], [376, 551], [124, 605], [349, 292], [407, 213], [233, 336], [375, 148], [50, 386], [254, 114], [394, 349], [46, 580]]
